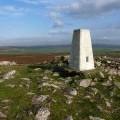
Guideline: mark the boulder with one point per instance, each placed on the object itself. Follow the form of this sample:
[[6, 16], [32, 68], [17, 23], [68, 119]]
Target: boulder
[[68, 79], [93, 84], [108, 104], [100, 108], [110, 78], [55, 74], [72, 91], [42, 114], [95, 118], [45, 78], [25, 79], [39, 99], [45, 84], [69, 101], [113, 72], [2, 115], [106, 83], [108, 61], [84, 83], [47, 72], [30, 93], [37, 69], [68, 118], [101, 75], [98, 64], [9, 74], [6, 101], [87, 97], [117, 84], [95, 90], [10, 85]]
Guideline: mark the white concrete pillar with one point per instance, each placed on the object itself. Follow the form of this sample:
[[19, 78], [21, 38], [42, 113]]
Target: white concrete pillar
[[81, 56]]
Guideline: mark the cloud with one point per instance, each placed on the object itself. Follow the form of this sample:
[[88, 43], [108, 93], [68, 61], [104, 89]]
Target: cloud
[[87, 8], [80, 9], [55, 15], [34, 2], [57, 22], [10, 10], [60, 32]]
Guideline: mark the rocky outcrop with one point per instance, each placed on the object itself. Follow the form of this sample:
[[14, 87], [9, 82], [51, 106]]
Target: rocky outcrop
[[6, 63]]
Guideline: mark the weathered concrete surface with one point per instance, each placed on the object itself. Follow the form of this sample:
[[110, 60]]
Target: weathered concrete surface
[[81, 57]]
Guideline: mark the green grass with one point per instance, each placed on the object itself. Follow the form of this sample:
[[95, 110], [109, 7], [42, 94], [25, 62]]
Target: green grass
[[80, 109]]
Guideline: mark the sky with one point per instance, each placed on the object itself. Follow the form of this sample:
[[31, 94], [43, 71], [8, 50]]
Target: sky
[[51, 22]]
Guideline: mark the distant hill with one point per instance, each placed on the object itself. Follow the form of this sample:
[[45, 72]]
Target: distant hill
[[105, 46], [67, 46]]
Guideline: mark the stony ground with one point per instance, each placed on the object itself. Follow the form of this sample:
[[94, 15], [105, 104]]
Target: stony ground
[[51, 91]]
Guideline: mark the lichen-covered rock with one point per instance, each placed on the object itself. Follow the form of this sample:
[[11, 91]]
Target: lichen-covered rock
[[69, 99], [102, 75], [48, 85], [25, 79], [72, 91], [37, 69], [39, 99], [108, 61], [45, 78], [106, 83], [87, 97], [6, 101], [100, 108], [46, 72], [98, 64], [42, 114], [93, 84], [10, 85], [95, 90], [113, 72], [68, 118], [117, 84], [30, 93], [9, 74], [68, 79], [55, 74], [95, 118], [110, 78], [2, 115], [84, 83], [108, 104]]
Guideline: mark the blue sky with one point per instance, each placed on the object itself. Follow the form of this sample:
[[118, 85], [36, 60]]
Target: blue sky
[[50, 22]]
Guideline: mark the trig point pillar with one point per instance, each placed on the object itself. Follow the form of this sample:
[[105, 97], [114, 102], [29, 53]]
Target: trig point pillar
[[81, 56]]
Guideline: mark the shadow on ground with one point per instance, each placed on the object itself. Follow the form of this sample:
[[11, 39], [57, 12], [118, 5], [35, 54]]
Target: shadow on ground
[[64, 71]]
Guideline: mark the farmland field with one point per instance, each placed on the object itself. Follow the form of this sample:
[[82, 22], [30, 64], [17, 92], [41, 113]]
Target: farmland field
[[47, 53]]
